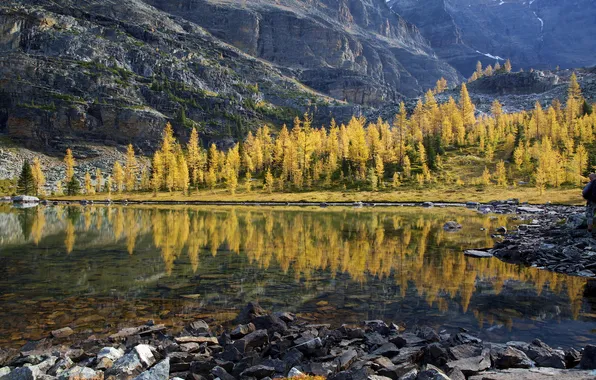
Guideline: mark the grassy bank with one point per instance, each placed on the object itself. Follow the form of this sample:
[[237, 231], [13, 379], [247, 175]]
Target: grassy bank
[[559, 196]]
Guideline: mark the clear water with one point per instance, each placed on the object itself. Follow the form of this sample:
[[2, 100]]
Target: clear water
[[98, 269]]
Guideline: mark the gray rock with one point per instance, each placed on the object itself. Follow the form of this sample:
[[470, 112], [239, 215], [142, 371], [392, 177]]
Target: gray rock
[[62, 333], [133, 363], [472, 365], [4, 371], [221, 373], [478, 254], [588, 360], [295, 372], [346, 359], [242, 330], [534, 374], [23, 373], [111, 353], [510, 357], [452, 226], [411, 375], [258, 371], [160, 371], [81, 373], [432, 373]]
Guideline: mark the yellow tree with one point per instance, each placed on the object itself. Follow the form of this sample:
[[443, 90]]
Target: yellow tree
[[508, 66], [194, 157], [248, 184], [157, 173], [211, 179], [69, 161], [268, 181], [466, 107], [501, 174], [479, 73], [38, 176], [379, 169], [89, 188], [183, 175], [441, 85], [118, 174], [485, 178], [407, 167], [131, 168], [98, 178]]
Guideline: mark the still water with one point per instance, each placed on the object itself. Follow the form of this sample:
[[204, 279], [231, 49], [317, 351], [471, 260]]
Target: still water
[[99, 268]]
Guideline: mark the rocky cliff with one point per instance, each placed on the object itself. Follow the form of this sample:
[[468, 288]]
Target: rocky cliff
[[114, 71], [536, 33]]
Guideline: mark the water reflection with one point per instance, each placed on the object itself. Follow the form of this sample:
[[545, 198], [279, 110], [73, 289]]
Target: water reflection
[[353, 264]]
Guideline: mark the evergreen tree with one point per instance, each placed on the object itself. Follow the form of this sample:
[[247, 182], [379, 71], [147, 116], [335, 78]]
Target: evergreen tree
[[26, 182], [73, 187]]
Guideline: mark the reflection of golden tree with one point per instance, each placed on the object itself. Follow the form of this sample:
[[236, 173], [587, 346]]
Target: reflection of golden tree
[[39, 223], [69, 240], [359, 243]]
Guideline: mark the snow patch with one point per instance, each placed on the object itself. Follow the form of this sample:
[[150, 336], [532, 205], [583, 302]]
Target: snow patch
[[490, 56], [541, 22]]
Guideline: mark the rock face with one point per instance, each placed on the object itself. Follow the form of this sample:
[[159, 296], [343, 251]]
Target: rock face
[[113, 72], [539, 34], [356, 50]]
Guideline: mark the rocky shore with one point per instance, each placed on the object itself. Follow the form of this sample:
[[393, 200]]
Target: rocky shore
[[278, 345], [551, 237]]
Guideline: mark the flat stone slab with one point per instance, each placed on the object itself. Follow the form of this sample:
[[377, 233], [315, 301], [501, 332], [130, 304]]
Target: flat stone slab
[[477, 253], [535, 374]]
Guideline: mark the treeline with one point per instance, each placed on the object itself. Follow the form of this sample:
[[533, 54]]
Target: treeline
[[546, 146]]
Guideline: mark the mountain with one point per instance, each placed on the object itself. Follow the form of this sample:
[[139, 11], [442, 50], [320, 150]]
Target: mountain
[[113, 72], [533, 34]]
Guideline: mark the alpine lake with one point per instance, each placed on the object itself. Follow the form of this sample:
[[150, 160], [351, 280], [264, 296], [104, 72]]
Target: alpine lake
[[99, 268]]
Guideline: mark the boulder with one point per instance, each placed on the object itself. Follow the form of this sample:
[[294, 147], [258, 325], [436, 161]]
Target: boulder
[[62, 333], [219, 372], [346, 359], [250, 311], [198, 327], [81, 373], [588, 360], [464, 351], [451, 226], [160, 371], [107, 356], [295, 372], [242, 330], [544, 356], [253, 340], [258, 371], [133, 363], [23, 373], [533, 374], [473, 365], [25, 199], [510, 357], [432, 373], [477, 253]]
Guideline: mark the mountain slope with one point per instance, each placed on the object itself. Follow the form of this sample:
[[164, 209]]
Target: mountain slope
[[113, 72], [535, 33], [350, 49]]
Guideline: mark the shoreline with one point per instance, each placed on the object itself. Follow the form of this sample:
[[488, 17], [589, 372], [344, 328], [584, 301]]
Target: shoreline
[[261, 345]]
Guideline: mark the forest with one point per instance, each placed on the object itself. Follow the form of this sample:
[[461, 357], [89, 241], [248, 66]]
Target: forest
[[446, 144]]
